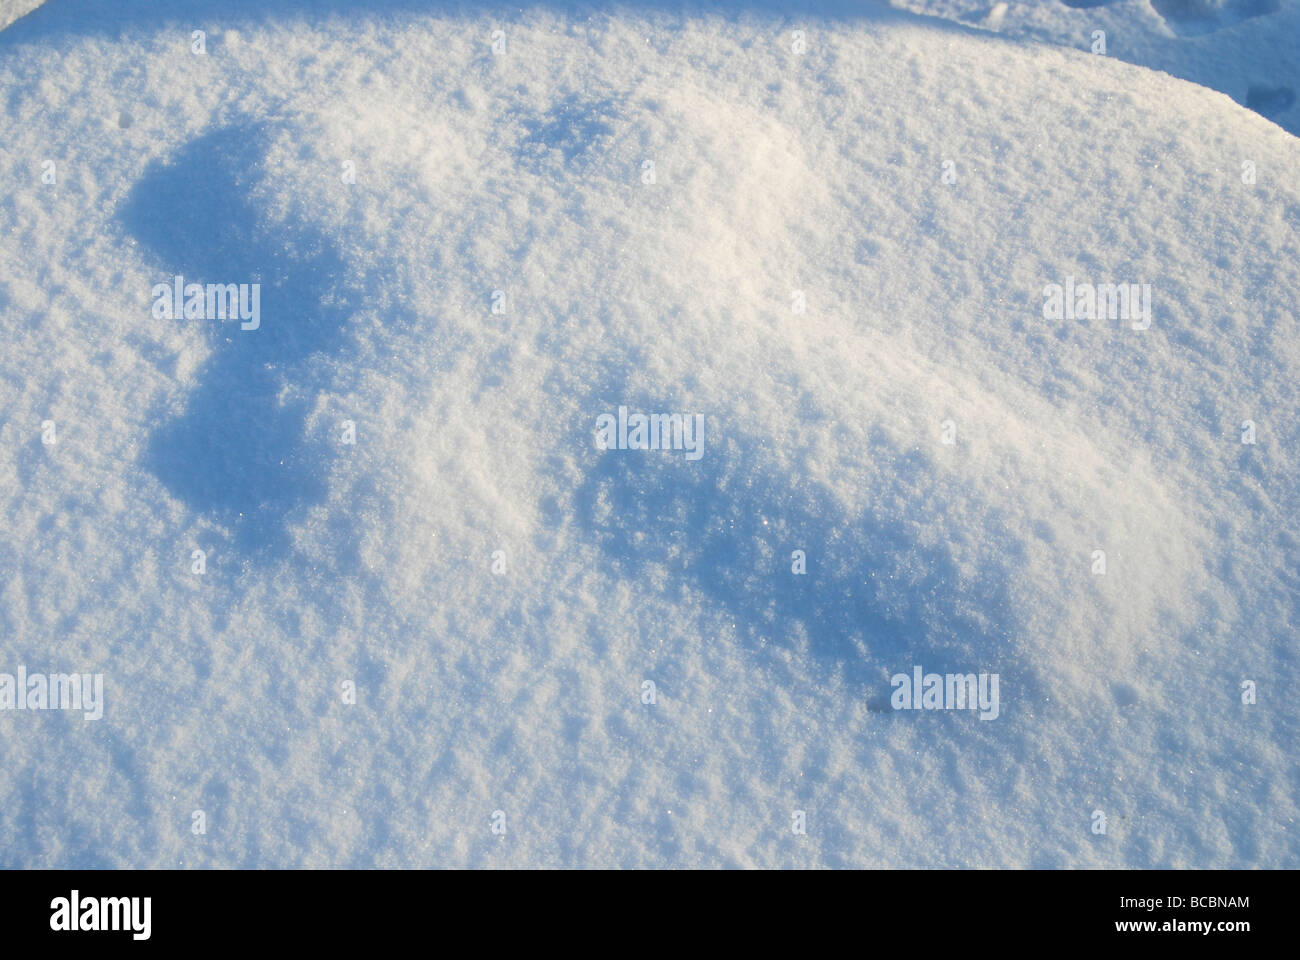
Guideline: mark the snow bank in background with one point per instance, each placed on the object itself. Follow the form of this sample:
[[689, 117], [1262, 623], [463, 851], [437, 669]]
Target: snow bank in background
[[11, 10], [1245, 48], [629, 210]]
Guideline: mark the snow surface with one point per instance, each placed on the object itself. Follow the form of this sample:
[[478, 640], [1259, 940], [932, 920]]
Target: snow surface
[[775, 172]]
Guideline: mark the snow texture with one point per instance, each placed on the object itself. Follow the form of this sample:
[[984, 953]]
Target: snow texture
[[496, 588]]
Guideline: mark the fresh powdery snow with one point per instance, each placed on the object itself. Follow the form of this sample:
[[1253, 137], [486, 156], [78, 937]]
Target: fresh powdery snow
[[647, 435]]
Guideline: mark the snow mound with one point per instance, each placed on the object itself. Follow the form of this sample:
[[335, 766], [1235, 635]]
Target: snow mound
[[830, 236]]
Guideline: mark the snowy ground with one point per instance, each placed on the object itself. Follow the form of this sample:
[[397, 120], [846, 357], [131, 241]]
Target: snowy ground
[[470, 254]]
